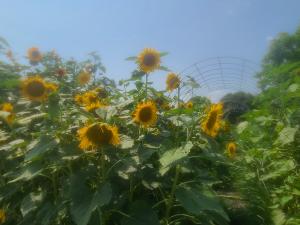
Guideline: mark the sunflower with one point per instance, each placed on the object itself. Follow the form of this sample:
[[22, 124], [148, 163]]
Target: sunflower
[[231, 149], [148, 60], [173, 81], [51, 87], [90, 97], [93, 106], [36, 88], [97, 135], [84, 77], [212, 122], [34, 55], [79, 99], [61, 72], [145, 114], [101, 92], [189, 105], [2, 216], [8, 107]]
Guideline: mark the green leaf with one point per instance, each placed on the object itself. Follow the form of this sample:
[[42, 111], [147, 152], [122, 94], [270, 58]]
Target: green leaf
[[84, 201], [173, 157], [131, 58], [29, 171], [197, 203], [241, 127], [40, 147], [162, 54], [31, 202], [286, 136], [163, 68], [141, 214], [278, 217], [126, 142]]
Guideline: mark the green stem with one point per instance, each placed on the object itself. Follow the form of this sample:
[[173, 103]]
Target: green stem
[[171, 199], [146, 86], [178, 97]]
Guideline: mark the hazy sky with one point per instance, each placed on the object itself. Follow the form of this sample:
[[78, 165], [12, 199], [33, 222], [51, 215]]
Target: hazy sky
[[190, 30]]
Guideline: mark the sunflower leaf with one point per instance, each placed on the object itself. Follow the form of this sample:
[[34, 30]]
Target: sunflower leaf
[[131, 58]]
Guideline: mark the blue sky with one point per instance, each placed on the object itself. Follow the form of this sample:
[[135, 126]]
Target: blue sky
[[190, 30]]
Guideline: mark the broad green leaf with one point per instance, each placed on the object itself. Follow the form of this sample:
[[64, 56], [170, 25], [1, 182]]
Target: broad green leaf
[[40, 147], [197, 203], [31, 202], [141, 214], [84, 201], [286, 136], [293, 87], [278, 217], [29, 171], [242, 126], [173, 156], [126, 142]]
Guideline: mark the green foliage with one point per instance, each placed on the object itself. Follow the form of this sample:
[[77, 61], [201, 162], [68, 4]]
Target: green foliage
[[269, 140]]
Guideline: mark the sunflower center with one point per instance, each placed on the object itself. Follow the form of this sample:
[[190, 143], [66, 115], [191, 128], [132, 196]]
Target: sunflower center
[[149, 60], [173, 82], [212, 120], [231, 149], [99, 135], [145, 114], [36, 88], [93, 99], [35, 54]]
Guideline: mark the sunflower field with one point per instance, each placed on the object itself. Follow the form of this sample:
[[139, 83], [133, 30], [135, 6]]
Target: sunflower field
[[77, 148]]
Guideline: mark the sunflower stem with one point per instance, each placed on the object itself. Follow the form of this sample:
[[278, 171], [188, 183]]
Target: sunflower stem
[[178, 97], [171, 198], [146, 86]]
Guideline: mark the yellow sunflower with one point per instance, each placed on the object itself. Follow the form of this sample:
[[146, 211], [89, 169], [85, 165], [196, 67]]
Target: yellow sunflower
[[97, 135], [213, 120], [93, 106], [145, 114], [101, 92], [8, 107], [173, 81], [34, 55], [148, 60], [79, 99], [36, 88], [189, 105], [84, 77], [2, 216], [231, 149]]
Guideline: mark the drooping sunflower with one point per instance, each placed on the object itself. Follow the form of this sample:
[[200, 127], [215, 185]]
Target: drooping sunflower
[[213, 120], [36, 88], [97, 135], [8, 107], [101, 92], [189, 105], [2, 216], [148, 60], [61, 72], [173, 81], [93, 106], [90, 97], [34, 55], [84, 77], [145, 114], [231, 149]]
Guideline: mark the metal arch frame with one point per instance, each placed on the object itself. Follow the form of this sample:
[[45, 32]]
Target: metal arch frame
[[213, 75]]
